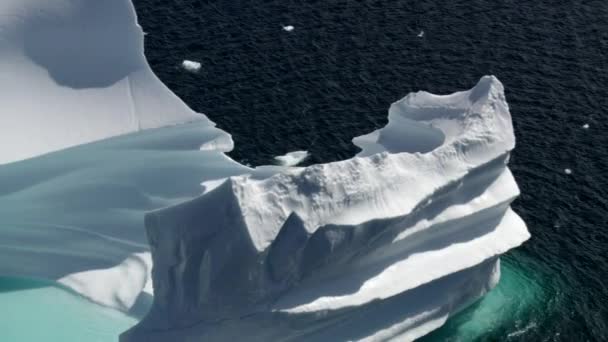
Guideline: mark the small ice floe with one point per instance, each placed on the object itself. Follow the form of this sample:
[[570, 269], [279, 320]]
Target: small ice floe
[[292, 158], [288, 28], [568, 171], [421, 34], [191, 66], [522, 331], [586, 126]]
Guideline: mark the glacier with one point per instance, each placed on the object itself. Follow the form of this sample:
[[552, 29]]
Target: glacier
[[113, 187]]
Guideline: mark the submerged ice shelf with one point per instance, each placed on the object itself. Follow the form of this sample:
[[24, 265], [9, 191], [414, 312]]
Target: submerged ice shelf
[[124, 194]]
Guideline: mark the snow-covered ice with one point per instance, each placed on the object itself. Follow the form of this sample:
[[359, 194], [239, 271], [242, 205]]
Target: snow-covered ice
[[408, 232], [74, 72], [292, 158], [114, 187], [191, 66]]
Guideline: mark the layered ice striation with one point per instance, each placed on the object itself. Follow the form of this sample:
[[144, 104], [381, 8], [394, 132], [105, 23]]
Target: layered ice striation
[[385, 245], [112, 186]]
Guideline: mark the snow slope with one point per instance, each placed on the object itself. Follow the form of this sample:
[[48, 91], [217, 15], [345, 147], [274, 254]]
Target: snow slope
[[74, 71], [422, 212]]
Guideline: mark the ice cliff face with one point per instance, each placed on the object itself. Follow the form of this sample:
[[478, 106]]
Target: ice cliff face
[[385, 245], [407, 232]]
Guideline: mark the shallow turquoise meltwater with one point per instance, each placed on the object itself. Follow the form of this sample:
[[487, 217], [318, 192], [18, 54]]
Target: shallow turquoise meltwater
[[506, 313], [35, 311]]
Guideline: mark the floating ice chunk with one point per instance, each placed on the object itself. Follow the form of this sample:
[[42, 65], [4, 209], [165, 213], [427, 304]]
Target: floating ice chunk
[[421, 34], [191, 66], [288, 28], [568, 171], [292, 158], [586, 126]]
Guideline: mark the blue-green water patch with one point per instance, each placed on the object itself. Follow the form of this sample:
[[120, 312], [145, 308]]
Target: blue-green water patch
[[35, 310], [509, 312]]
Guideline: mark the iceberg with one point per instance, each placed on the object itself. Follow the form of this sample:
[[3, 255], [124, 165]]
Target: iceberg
[[113, 187], [408, 232]]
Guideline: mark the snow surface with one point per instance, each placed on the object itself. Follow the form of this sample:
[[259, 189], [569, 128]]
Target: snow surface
[[74, 71], [96, 195], [292, 158]]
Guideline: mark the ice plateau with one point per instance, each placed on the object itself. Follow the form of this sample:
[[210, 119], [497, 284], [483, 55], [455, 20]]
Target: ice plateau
[[112, 186]]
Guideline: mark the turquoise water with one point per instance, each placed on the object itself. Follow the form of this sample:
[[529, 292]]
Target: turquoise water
[[511, 311], [36, 311]]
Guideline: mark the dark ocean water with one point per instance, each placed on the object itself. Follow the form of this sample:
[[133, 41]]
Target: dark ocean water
[[334, 76]]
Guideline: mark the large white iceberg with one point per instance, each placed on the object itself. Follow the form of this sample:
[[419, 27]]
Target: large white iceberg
[[386, 245], [408, 232]]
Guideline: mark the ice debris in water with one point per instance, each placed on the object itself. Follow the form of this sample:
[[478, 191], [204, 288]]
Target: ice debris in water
[[421, 34], [288, 28], [191, 66], [292, 158], [568, 171], [586, 126]]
